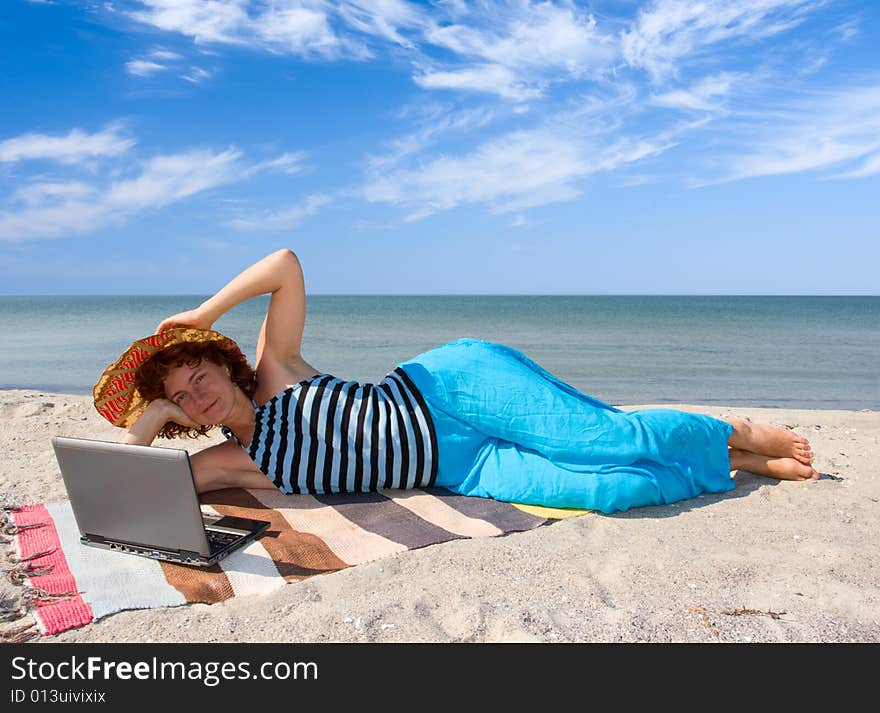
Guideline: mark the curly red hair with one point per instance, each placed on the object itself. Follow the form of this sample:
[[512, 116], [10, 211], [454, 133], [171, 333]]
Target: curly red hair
[[149, 379]]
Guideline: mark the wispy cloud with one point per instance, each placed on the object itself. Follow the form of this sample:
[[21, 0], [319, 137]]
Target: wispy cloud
[[280, 27], [386, 19], [848, 29], [512, 48], [515, 50], [704, 95], [162, 60], [870, 167], [62, 207], [196, 75], [289, 163], [143, 68], [528, 35], [518, 170], [41, 193], [828, 130], [491, 79], [283, 219], [669, 32], [166, 179], [73, 147], [430, 122], [165, 55]]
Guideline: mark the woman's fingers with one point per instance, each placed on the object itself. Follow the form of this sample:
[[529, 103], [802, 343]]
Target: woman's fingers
[[190, 318], [178, 415]]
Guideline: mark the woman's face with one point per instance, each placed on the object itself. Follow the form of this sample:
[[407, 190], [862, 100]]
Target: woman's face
[[204, 392]]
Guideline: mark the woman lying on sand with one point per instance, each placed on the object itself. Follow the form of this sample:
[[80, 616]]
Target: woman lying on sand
[[474, 417]]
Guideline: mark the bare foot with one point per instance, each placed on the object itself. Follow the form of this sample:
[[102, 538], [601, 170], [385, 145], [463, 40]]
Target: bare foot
[[769, 441], [780, 468]]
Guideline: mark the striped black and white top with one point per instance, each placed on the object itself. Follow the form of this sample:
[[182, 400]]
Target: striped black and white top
[[326, 435]]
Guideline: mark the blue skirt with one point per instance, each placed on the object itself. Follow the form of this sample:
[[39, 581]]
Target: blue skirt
[[508, 429]]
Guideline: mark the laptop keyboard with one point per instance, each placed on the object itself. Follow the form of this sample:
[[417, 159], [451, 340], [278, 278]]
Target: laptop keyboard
[[218, 540]]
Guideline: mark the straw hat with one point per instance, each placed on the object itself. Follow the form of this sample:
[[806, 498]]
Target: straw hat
[[116, 396]]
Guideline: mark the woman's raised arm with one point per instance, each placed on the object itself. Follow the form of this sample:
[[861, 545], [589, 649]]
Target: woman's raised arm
[[278, 274]]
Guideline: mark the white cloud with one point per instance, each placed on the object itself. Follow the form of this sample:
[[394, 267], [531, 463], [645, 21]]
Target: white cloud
[[196, 75], [51, 221], [289, 163], [671, 31], [283, 219], [44, 192], [165, 55], [519, 170], [492, 79], [382, 18], [203, 20], [299, 30], [49, 209], [848, 29], [523, 45], [433, 121], [702, 96], [516, 49], [74, 147], [870, 167], [143, 68], [157, 60], [166, 179], [528, 36], [302, 28], [826, 130]]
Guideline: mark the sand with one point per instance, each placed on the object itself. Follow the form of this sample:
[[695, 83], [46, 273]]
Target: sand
[[770, 561]]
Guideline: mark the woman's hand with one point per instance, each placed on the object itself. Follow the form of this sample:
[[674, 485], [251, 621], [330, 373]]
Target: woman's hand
[[172, 412], [191, 318], [159, 412]]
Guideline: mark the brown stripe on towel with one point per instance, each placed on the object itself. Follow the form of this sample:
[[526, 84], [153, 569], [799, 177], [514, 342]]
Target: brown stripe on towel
[[207, 585], [380, 515], [504, 516], [344, 538], [436, 511], [296, 555]]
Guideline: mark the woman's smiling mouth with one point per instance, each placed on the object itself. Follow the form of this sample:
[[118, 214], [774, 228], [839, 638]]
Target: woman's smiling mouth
[[213, 404]]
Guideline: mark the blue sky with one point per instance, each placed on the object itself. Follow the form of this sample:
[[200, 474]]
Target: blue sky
[[663, 147]]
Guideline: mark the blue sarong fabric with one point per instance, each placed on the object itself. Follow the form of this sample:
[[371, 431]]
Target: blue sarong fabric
[[510, 430]]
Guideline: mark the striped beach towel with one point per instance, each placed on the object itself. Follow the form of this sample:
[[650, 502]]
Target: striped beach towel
[[68, 585]]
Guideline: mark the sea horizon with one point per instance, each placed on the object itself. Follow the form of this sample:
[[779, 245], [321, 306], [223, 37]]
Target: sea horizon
[[796, 351]]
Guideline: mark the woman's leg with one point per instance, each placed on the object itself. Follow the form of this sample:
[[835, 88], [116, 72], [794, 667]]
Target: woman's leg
[[765, 440]]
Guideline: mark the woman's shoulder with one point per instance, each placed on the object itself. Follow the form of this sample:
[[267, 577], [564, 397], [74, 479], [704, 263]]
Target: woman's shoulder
[[273, 377]]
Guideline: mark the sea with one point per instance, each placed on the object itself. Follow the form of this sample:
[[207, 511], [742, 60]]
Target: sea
[[764, 351]]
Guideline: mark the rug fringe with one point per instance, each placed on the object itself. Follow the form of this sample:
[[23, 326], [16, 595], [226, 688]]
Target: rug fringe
[[36, 597], [16, 559], [12, 529], [8, 613], [25, 570], [19, 634]]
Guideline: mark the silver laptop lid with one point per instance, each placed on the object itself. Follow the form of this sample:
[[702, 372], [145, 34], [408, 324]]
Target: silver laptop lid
[[132, 494]]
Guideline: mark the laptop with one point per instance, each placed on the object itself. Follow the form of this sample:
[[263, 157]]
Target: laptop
[[142, 500]]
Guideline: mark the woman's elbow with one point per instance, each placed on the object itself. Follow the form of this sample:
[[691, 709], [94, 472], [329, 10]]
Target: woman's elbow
[[287, 255]]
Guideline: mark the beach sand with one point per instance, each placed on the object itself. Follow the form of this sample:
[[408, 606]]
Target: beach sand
[[807, 552]]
